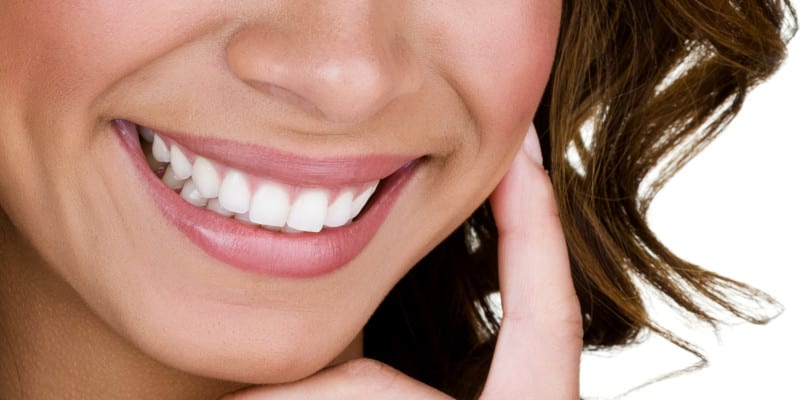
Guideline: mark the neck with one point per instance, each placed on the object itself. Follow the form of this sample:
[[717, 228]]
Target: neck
[[53, 346]]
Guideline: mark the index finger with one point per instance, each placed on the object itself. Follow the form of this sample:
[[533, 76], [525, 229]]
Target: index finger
[[540, 339]]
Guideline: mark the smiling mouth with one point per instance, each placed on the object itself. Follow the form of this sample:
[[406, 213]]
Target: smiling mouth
[[256, 200], [261, 210]]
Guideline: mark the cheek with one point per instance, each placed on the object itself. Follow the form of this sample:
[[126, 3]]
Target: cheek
[[499, 59], [61, 39], [72, 49], [59, 57]]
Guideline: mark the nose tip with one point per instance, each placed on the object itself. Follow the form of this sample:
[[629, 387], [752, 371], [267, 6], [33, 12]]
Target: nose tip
[[344, 77]]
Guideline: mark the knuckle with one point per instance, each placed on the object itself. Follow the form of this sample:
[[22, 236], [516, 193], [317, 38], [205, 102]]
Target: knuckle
[[570, 320], [561, 316], [373, 377], [573, 329]]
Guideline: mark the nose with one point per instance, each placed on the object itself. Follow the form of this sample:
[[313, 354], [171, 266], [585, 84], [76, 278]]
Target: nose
[[343, 60]]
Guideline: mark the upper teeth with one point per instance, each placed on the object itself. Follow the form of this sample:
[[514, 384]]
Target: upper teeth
[[254, 200]]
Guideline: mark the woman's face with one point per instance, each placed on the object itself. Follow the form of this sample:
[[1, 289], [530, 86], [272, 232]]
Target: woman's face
[[293, 108]]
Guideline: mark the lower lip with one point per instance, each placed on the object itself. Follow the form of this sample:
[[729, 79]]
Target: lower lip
[[255, 249]]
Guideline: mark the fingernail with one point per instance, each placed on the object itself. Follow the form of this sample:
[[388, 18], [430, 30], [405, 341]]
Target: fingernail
[[531, 145]]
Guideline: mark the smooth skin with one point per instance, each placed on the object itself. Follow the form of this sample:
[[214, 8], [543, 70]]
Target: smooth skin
[[102, 297], [538, 350]]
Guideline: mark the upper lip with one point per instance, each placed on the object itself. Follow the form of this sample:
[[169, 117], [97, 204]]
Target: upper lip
[[288, 167]]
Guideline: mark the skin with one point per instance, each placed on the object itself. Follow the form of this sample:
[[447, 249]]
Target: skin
[[101, 297]]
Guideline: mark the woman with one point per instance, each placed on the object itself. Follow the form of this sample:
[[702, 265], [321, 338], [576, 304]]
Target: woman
[[212, 196]]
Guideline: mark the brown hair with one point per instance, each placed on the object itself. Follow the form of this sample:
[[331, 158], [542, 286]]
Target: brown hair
[[651, 83]]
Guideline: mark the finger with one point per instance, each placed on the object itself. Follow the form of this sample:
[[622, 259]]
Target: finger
[[539, 344], [357, 379]]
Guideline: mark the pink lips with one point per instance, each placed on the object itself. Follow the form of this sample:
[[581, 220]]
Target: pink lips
[[254, 249], [290, 168]]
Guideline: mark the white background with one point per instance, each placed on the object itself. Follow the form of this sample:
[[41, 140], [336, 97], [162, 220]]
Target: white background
[[734, 210]]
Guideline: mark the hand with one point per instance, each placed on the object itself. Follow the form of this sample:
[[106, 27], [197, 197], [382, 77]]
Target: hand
[[539, 344]]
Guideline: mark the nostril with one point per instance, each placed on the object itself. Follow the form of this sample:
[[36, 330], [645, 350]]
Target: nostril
[[285, 95]]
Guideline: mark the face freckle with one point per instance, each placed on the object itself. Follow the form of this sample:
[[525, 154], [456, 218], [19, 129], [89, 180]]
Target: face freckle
[[407, 113]]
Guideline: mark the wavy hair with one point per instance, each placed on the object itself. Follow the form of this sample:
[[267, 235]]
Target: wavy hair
[[637, 88]]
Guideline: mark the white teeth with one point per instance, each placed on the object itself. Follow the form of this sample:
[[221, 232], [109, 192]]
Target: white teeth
[[270, 205], [308, 211], [192, 195], [206, 178], [180, 164], [147, 134], [171, 180], [213, 205], [243, 218], [160, 149], [339, 211], [234, 193], [361, 200], [154, 164]]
